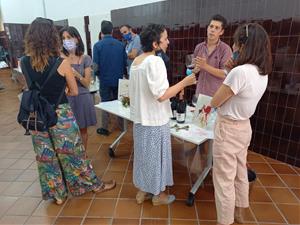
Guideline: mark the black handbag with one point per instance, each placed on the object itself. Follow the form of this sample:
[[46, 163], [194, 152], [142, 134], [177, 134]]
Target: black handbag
[[36, 113]]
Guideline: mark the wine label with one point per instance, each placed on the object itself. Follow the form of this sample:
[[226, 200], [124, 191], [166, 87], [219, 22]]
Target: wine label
[[180, 117]]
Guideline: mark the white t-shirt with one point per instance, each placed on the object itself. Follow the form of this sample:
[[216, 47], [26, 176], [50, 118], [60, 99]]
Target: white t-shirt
[[147, 83], [248, 87]]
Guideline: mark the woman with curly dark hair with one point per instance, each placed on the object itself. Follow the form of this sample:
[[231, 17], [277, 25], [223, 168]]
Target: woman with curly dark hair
[[59, 151]]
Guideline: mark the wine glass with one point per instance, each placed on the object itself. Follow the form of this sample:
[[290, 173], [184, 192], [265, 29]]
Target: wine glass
[[194, 100], [189, 61]]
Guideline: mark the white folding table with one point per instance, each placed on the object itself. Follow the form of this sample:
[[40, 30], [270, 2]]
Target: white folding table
[[194, 134]]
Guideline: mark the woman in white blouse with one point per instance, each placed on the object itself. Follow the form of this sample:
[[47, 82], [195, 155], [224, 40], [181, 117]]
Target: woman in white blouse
[[236, 100], [150, 110]]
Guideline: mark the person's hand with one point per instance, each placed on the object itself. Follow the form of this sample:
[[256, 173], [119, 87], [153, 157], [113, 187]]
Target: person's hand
[[200, 62], [189, 80], [229, 65], [196, 69]]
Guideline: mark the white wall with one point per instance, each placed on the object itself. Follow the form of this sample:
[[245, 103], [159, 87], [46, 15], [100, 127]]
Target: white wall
[[24, 11], [19, 11]]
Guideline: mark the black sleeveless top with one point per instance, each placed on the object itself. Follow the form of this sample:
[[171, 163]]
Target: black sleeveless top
[[54, 86]]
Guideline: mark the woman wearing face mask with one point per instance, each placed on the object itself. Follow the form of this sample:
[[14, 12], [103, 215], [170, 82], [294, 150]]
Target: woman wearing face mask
[[59, 151], [150, 110], [82, 105]]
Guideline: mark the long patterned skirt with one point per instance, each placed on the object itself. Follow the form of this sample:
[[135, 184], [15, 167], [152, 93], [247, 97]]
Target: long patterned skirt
[[152, 163], [61, 159]]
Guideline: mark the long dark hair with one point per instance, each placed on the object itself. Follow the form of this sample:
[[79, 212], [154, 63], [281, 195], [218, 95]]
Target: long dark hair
[[74, 34], [41, 42], [255, 47]]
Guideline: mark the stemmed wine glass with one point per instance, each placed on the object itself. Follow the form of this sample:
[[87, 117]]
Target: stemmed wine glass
[[189, 61]]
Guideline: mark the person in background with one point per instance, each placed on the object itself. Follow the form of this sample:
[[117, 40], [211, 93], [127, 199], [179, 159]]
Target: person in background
[[133, 46], [60, 154], [82, 105], [150, 111], [236, 101], [211, 56], [110, 59]]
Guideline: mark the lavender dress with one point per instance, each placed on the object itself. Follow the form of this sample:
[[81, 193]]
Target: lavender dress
[[83, 105]]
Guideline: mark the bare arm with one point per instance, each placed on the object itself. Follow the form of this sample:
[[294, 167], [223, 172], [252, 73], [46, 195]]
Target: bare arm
[[202, 64], [221, 96], [65, 70], [133, 53], [86, 79], [214, 71], [173, 90]]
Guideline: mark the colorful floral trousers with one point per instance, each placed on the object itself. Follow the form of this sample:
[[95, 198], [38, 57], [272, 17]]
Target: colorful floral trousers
[[61, 161]]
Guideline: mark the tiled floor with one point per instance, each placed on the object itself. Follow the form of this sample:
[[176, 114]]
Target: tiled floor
[[275, 198]]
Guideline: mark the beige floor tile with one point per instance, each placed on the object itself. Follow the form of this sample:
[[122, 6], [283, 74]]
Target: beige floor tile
[[34, 190], [4, 185], [128, 177], [10, 175], [21, 164], [13, 220], [102, 208], [6, 203], [38, 220], [24, 206], [16, 188], [28, 175]]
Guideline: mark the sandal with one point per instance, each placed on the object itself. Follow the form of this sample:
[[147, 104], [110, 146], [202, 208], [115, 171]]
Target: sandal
[[59, 201], [106, 186]]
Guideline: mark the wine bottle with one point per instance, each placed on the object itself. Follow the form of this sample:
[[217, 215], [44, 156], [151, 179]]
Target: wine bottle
[[174, 103], [181, 109]]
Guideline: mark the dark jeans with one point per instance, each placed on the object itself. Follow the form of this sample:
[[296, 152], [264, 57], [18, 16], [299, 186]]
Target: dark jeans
[[107, 94]]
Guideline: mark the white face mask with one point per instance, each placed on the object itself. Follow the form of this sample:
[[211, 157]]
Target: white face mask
[[69, 44]]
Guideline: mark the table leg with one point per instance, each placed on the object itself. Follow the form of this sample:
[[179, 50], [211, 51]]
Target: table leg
[[112, 148], [191, 196]]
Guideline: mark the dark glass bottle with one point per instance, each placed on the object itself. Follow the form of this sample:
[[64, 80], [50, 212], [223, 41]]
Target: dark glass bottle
[[181, 109], [174, 103]]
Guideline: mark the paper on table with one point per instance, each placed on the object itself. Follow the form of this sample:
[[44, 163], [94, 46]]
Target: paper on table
[[123, 89], [204, 115]]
